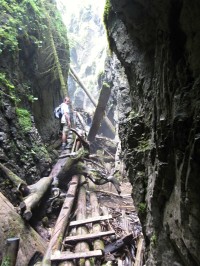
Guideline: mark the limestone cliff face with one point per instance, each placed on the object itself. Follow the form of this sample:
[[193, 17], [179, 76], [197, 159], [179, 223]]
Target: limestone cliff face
[[29, 87], [158, 45]]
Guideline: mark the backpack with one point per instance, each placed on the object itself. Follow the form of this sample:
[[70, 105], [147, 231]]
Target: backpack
[[57, 112]]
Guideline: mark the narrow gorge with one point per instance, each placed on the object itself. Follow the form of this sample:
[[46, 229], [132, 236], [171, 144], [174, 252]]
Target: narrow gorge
[[150, 62]]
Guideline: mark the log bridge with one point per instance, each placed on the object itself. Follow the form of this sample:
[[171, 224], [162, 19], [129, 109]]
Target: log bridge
[[78, 238]]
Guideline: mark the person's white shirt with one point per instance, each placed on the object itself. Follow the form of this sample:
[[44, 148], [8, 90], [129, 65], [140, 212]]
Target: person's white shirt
[[64, 109]]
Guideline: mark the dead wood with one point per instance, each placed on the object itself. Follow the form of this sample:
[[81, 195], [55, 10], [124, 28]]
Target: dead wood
[[85, 236], [82, 122], [84, 143], [91, 220], [140, 250], [16, 180], [62, 221], [65, 255], [104, 88], [113, 247], [81, 214], [96, 227], [12, 247], [99, 114], [11, 223], [37, 191]]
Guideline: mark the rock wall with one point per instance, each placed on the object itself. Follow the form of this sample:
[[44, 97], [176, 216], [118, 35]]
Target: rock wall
[[29, 88], [158, 46]]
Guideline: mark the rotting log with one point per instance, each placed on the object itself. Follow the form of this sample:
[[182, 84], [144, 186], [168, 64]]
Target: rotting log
[[32, 200], [16, 180], [11, 223], [10, 256], [62, 221]]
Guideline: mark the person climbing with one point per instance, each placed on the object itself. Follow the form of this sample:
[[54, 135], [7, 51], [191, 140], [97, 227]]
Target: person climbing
[[65, 121]]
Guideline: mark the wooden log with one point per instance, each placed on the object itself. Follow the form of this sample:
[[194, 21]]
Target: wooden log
[[113, 247], [11, 225], [16, 180], [10, 256], [99, 114], [90, 220], [71, 239], [140, 250], [96, 227], [62, 221], [81, 214], [76, 78], [70, 255], [37, 192]]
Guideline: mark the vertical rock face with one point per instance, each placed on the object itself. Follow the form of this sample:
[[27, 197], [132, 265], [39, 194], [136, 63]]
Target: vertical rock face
[[29, 88], [158, 45]]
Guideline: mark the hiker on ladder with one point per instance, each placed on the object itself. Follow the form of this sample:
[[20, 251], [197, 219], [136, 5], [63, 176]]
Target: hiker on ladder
[[65, 121]]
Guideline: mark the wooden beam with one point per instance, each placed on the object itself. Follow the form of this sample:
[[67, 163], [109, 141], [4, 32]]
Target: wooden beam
[[62, 221], [65, 255], [91, 220], [139, 254], [88, 236]]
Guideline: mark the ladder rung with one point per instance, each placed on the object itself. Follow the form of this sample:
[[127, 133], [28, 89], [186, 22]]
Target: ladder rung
[[90, 220], [65, 255], [88, 236]]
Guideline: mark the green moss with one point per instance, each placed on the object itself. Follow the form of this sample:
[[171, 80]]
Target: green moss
[[106, 85], [106, 11], [4, 81], [153, 239], [6, 261], [24, 118], [144, 145], [142, 207], [41, 151]]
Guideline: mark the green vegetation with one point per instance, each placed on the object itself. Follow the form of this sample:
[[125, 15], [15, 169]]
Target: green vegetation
[[144, 145], [153, 240], [106, 85], [6, 261], [142, 207], [106, 11], [24, 118], [4, 81]]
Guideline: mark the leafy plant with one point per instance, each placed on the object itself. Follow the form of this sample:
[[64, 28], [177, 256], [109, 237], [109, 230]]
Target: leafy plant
[[24, 118], [142, 207]]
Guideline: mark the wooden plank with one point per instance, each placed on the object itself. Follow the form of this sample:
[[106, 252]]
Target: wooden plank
[[65, 255], [140, 251], [88, 236], [91, 220]]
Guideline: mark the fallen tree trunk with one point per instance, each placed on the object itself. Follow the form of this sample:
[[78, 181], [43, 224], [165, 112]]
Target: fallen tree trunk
[[62, 221], [81, 214], [11, 223], [100, 113], [12, 247], [32, 200], [16, 180], [76, 78]]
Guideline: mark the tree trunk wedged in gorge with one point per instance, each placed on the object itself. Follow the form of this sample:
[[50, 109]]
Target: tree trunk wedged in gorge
[[107, 121], [100, 112], [12, 225]]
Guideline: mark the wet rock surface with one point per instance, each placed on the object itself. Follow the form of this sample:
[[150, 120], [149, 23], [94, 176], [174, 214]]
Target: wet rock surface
[[154, 44]]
